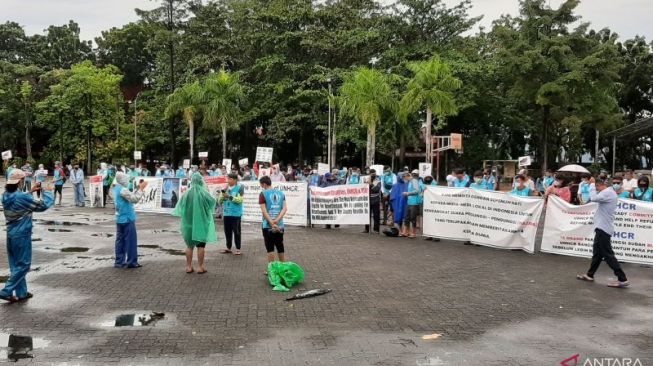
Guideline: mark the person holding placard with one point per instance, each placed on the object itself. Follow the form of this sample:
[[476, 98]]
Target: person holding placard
[[232, 201], [126, 239], [607, 200]]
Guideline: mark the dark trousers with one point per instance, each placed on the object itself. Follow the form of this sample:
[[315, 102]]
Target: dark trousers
[[105, 192], [603, 250], [232, 230], [375, 213]]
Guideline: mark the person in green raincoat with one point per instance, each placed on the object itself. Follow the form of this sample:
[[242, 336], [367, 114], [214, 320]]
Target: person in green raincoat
[[196, 209]]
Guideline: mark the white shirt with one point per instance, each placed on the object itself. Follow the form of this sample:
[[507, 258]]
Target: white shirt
[[629, 184]]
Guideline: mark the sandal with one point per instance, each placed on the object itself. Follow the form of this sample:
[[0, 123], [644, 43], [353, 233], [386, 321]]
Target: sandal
[[202, 272], [226, 251], [191, 271], [238, 252], [27, 297], [619, 284], [9, 299], [412, 236], [584, 277]]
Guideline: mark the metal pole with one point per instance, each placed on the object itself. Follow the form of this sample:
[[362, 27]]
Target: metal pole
[[329, 132], [135, 126], [614, 153], [437, 174]]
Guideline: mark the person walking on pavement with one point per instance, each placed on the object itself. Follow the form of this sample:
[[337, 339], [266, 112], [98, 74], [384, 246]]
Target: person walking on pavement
[[18, 209], [607, 200], [126, 240], [196, 209], [232, 201], [77, 179], [59, 180]]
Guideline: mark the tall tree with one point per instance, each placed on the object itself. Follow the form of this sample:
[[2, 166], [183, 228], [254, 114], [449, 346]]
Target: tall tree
[[186, 101], [365, 94], [222, 95], [432, 86]]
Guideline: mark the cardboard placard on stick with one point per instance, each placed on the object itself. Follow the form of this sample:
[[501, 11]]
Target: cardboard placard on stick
[[264, 154]]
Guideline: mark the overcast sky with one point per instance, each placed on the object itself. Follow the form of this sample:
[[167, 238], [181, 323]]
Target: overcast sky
[[626, 17]]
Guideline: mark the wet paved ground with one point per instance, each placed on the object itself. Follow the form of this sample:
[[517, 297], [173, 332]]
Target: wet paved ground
[[492, 307]]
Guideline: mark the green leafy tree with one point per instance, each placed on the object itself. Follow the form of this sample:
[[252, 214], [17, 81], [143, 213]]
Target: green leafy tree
[[364, 95], [222, 95], [432, 86], [186, 101]]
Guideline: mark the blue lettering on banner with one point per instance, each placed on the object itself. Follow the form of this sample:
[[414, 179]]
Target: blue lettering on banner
[[624, 235], [626, 206]]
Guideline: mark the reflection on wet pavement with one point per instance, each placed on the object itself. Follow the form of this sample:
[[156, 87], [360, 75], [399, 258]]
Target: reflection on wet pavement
[[74, 250], [18, 347], [103, 235], [60, 230], [135, 320], [59, 223]]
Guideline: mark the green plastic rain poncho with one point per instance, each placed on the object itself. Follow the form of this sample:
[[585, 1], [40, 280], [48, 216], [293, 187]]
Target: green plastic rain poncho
[[196, 209]]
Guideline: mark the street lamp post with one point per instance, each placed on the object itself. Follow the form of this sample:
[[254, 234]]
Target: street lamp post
[[329, 132], [135, 125]]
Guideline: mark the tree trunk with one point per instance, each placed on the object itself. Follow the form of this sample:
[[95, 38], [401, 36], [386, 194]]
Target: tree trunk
[[427, 137], [402, 150], [300, 149], [545, 139], [334, 144], [371, 141], [88, 151], [28, 142], [191, 128], [171, 45], [224, 140], [596, 147]]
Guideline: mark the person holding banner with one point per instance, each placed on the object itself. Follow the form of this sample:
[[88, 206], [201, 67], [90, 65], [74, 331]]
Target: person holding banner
[[375, 203], [232, 201], [275, 174], [273, 207], [126, 239], [479, 181], [77, 179], [584, 189], [521, 189], [643, 192], [196, 209], [607, 200], [618, 187], [18, 209], [560, 188]]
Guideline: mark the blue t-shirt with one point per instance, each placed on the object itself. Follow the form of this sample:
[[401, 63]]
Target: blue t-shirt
[[521, 193], [584, 190], [181, 173], [273, 200], [354, 179], [58, 177], [461, 183], [230, 207], [624, 194], [124, 209], [414, 199], [643, 196]]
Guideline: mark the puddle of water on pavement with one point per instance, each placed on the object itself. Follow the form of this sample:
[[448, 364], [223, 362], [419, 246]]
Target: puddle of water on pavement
[[135, 320], [165, 231], [102, 235], [59, 223], [60, 230], [15, 347], [74, 250], [173, 251], [150, 246]]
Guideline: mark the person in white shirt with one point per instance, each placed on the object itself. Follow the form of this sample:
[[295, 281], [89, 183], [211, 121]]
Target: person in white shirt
[[630, 181]]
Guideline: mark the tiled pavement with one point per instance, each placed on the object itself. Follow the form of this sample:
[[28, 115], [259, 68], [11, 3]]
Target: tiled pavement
[[492, 307]]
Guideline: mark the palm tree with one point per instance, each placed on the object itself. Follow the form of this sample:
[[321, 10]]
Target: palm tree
[[185, 100], [432, 85], [222, 95], [363, 96]]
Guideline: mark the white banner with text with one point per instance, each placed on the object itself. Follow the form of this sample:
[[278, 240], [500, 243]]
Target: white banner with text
[[296, 197], [340, 205]]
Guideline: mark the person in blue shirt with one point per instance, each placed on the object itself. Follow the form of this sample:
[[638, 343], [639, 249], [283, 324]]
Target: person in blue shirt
[[643, 192], [584, 189], [490, 180], [181, 172], [273, 207], [59, 180], [126, 240], [388, 180], [479, 182], [413, 194], [167, 193], [232, 201], [521, 189], [27, 168], [547, 180], [354, 178], [461, 179], [314, 179], [617, 186], [18, 208]]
